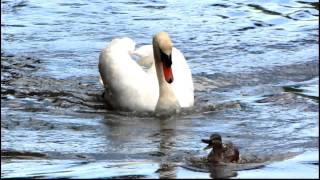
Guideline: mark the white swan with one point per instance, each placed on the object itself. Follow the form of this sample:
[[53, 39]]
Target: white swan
[[167, 83]]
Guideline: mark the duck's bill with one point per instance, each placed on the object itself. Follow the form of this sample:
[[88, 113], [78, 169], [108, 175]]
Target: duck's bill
[[210, 146], [167, 71], [207, 141]]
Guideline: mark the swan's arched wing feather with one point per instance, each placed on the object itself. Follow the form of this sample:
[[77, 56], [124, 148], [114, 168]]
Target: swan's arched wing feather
[[183, 83], [145, 53], [102, 67], [130, 86]]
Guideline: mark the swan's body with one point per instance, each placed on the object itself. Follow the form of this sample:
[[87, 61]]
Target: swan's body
[[129, 87]]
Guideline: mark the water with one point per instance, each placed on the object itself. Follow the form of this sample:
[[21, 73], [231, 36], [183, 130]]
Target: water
[[255, 71]]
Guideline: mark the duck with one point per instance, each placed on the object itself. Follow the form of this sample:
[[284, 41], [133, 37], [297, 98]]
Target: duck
[[224, 159], [221, 152], [160, 80]]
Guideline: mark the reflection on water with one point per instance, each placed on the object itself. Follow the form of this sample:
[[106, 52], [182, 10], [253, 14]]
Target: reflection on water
[[255, 72]]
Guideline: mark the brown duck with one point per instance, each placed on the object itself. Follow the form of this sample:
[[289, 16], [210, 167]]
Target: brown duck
[[221, 152], [223, 161]]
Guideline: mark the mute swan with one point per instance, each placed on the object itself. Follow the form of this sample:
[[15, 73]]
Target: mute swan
[[165, 85]]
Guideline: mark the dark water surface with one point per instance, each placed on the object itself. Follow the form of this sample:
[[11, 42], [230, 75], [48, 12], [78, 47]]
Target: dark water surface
[[255, 68]]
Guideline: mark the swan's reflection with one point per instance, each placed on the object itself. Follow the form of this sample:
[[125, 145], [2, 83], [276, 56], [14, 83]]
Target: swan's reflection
[[167, 132], [126, 136]]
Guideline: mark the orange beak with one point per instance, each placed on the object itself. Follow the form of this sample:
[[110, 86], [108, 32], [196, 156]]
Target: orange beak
[[168, 73]]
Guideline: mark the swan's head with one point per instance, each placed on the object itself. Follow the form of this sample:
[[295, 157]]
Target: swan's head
[[162, 47]]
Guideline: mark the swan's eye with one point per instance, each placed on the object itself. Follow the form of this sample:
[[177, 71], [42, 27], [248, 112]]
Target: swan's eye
[[166, 59]]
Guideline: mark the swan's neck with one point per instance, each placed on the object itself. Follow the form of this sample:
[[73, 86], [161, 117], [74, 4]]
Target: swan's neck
[[167, 99]]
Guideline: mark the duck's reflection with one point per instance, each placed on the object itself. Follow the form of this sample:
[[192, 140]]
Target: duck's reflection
[[218, 172]]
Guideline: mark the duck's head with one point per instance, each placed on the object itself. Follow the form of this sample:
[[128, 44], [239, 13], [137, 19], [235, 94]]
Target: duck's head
[[162, 47], [214, 142]]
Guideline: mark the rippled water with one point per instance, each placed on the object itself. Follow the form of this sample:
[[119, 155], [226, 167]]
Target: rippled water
[[255, 71]]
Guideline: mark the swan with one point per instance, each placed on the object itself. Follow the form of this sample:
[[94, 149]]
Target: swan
[[165, 84]]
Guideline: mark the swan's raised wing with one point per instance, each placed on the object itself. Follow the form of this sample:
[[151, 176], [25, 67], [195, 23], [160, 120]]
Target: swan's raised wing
[[129, 85], [145, 56]]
